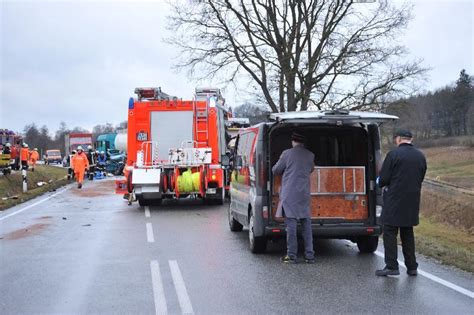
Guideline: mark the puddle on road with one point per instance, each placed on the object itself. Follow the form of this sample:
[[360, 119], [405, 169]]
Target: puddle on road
[[95, 189], [30, 230]]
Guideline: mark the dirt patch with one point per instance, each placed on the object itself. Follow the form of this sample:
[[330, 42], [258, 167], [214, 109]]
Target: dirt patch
[[30, 230], [98, 190]]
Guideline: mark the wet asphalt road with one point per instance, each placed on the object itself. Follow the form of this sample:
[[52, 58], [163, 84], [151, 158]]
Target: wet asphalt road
[[86, 251]]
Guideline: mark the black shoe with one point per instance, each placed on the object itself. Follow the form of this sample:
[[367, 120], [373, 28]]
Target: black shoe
[[310, 260], [288, 260], [412, 272], [79, 186], [387, 272]]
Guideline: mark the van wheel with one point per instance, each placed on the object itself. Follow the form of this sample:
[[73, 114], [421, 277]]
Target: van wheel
[[258, 244], [368, 244], [234, 225]]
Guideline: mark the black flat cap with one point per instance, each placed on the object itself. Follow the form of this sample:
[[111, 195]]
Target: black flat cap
[[298, 137], [403, 133]]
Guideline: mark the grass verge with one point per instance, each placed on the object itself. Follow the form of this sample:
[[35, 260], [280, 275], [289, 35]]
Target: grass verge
[[448, 245], [11, 185]]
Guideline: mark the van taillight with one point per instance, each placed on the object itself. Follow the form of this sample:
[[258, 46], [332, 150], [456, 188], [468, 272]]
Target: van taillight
[[370, 230], [265, 212], [276, 231]]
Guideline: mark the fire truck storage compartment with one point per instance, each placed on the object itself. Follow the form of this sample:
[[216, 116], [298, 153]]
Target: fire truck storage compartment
[[339, 180], [169, 129]]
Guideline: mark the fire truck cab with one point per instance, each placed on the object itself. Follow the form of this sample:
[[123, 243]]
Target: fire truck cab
[[176, 148]]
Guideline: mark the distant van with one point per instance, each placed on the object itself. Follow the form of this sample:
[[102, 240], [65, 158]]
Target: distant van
[[345, 200], [53, 156]]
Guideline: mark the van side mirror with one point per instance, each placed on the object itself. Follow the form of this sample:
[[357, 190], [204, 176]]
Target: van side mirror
[[225, 161], [238, 162]]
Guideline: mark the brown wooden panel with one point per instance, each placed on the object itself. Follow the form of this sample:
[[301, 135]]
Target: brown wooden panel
[[360, 179], [349, 207], [331, 180]]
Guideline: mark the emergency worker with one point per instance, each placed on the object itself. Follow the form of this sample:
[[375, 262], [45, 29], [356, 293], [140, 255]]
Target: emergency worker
[[402, 174], [91, 157], [7, 148], [296, 165], [101, 158], [80, 164], [15, 155], [34, 157], [24, 156]]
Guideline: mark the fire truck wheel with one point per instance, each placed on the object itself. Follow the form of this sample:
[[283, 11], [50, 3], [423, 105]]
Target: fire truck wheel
[[143, 202], [216, 201], [155, 202]]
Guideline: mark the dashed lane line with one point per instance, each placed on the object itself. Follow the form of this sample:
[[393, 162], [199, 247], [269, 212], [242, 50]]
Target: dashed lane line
[[34, 204], [149, 233], [147, 212], [158, 291], [180, 287]]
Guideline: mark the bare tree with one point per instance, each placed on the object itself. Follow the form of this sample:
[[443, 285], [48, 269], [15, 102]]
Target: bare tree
[[299, 54]]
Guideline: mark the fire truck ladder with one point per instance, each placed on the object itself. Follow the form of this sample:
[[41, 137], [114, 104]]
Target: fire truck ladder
[[201, 123]]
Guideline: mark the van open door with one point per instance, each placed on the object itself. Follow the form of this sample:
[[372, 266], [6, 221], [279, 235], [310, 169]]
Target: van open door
[[337, 117]]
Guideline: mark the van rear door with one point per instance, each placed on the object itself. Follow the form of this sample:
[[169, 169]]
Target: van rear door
[[338, 117], [341, 190]]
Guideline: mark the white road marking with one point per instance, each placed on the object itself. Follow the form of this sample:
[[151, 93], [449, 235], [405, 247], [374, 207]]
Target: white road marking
[[435, 278], [147, 212], [180, 287], [158, 291], [430, 276], [149, 233], [34, 204]]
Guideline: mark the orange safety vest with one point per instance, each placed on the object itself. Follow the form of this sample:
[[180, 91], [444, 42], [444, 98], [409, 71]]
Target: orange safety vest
[[34, 156], [24, 154], [80, 162], [14, 152]]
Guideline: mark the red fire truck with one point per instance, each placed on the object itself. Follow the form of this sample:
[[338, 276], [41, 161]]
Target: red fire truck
[[176, 148]]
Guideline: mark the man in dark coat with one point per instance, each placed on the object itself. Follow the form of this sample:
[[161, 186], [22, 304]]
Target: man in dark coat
[[295, 165], [401, 177]]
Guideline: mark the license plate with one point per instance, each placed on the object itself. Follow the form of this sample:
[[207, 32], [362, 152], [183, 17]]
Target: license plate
[[211, 191]]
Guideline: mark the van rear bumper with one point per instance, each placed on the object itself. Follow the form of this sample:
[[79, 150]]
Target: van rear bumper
[[330, 231]]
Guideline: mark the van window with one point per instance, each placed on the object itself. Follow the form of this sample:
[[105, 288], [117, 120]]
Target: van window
[[244, 148]]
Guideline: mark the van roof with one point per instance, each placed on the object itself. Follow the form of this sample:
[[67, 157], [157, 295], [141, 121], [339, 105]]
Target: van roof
[[332, 115]]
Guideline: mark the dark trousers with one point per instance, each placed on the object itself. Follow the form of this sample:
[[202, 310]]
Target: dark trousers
[[391, 250], [291, 237], [24, 165]]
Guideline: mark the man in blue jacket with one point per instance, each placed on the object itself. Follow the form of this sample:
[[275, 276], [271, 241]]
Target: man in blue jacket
[[402, 174], [295, 165]]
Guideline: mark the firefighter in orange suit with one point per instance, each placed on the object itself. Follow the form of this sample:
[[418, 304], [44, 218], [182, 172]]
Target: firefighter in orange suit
[[24, 156], [34, 157], [80, 164]]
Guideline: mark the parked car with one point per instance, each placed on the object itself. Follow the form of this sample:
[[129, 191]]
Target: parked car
[[53, 156], [346, 202]]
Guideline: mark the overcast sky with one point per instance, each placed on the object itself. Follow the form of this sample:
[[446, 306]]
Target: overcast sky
[[79, 61]]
